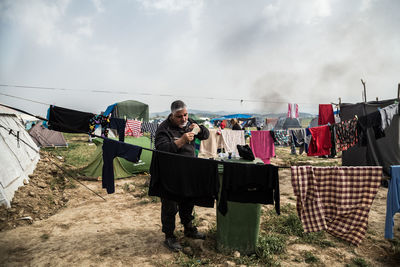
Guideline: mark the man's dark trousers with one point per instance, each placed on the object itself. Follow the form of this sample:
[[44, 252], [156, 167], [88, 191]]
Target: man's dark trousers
[[169, 208]]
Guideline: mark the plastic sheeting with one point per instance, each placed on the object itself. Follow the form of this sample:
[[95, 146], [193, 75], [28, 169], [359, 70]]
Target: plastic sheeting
[[17, 160], [384, 151]]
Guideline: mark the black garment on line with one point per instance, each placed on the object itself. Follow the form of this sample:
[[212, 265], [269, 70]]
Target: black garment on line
[[119, 125], [181, 178], [372, 120], [68, 120], [249, 183], [112, 149]]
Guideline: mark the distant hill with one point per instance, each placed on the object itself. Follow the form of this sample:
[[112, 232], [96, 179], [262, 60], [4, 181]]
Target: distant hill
[[208, 114]]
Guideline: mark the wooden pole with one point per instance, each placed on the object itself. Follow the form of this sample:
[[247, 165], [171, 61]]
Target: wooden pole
[[398, 91], [365, 91]]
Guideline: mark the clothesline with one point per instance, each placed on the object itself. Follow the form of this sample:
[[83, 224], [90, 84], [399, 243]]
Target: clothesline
[[98, 136]]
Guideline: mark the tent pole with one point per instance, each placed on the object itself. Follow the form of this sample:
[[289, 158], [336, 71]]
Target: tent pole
[[365, 91]]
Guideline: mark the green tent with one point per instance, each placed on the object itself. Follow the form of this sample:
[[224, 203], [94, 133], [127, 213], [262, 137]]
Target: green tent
[[131, 109], [122, 167]]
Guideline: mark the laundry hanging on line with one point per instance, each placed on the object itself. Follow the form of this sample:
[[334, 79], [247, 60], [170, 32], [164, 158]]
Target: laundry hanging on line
[[325, 114], [293, 111], [133, 128], [393, 200], [150, 127], [262, 145], [249, 183], [193, 179], [68, 120], [112, 149], [387, 114], [336, 199]]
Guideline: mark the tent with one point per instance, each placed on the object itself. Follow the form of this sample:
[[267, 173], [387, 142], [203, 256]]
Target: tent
[[122, 167], [129, 109], [378, 152], [44, 137], [233, 116], [285, 123], [17, 159], [27, 120], [313, 122]]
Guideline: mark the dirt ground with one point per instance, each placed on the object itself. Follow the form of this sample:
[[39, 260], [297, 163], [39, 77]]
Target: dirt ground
[[65, 224]]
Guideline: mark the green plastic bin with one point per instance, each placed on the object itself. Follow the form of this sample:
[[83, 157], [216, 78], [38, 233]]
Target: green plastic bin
[[238, 230]]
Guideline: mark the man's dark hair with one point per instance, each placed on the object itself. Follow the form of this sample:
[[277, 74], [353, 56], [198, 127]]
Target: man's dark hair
[[177, 105]]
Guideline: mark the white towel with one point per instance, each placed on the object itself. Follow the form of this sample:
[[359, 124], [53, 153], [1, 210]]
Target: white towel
[[231, 139]]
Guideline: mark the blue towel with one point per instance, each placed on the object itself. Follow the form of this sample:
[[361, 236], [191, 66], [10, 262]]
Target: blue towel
[[393, 200]]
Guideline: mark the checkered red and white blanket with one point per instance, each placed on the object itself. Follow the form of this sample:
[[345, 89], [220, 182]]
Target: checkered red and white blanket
[[336, 199]]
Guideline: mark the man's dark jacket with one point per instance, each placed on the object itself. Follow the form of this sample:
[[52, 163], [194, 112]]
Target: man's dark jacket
[[167, 133]]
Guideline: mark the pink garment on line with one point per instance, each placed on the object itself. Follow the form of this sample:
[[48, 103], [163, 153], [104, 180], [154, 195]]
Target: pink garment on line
[[262, 145], [293, 111]]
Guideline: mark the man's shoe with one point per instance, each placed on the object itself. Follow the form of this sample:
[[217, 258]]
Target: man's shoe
[[193, 233], [173, 244]]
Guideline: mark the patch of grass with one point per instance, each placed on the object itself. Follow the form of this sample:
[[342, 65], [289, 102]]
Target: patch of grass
[[317, 238], [358, 262], [251, 260], [268, 246], [395, 247], [78, 153], [288, 223], [184, 260], [309, 257]]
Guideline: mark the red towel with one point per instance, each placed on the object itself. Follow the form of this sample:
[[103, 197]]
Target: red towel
[[325, 114], [320, 144], [262, 145]]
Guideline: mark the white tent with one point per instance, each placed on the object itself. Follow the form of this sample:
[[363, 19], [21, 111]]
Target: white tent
[[17, 159], [23, 117]]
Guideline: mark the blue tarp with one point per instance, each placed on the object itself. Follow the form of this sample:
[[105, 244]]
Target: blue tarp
[[227, 117], [109, 109]]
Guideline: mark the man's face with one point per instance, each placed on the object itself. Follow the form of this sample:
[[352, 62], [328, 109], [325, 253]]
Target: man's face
[[180, 118]]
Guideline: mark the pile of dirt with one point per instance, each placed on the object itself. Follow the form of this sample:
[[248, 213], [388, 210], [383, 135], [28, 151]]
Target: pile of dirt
[[41, 197]]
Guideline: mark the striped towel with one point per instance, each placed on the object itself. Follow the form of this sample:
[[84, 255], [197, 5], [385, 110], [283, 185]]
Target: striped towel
[[133, 128]]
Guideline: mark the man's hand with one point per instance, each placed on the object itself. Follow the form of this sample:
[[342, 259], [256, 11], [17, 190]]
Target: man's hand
[[193, 126], [185, 138], [188, 137]]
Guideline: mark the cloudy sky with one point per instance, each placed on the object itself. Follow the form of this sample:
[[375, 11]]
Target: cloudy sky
[[210, 53]]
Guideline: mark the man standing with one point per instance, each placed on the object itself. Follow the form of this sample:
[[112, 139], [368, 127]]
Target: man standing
[[176, 135]]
